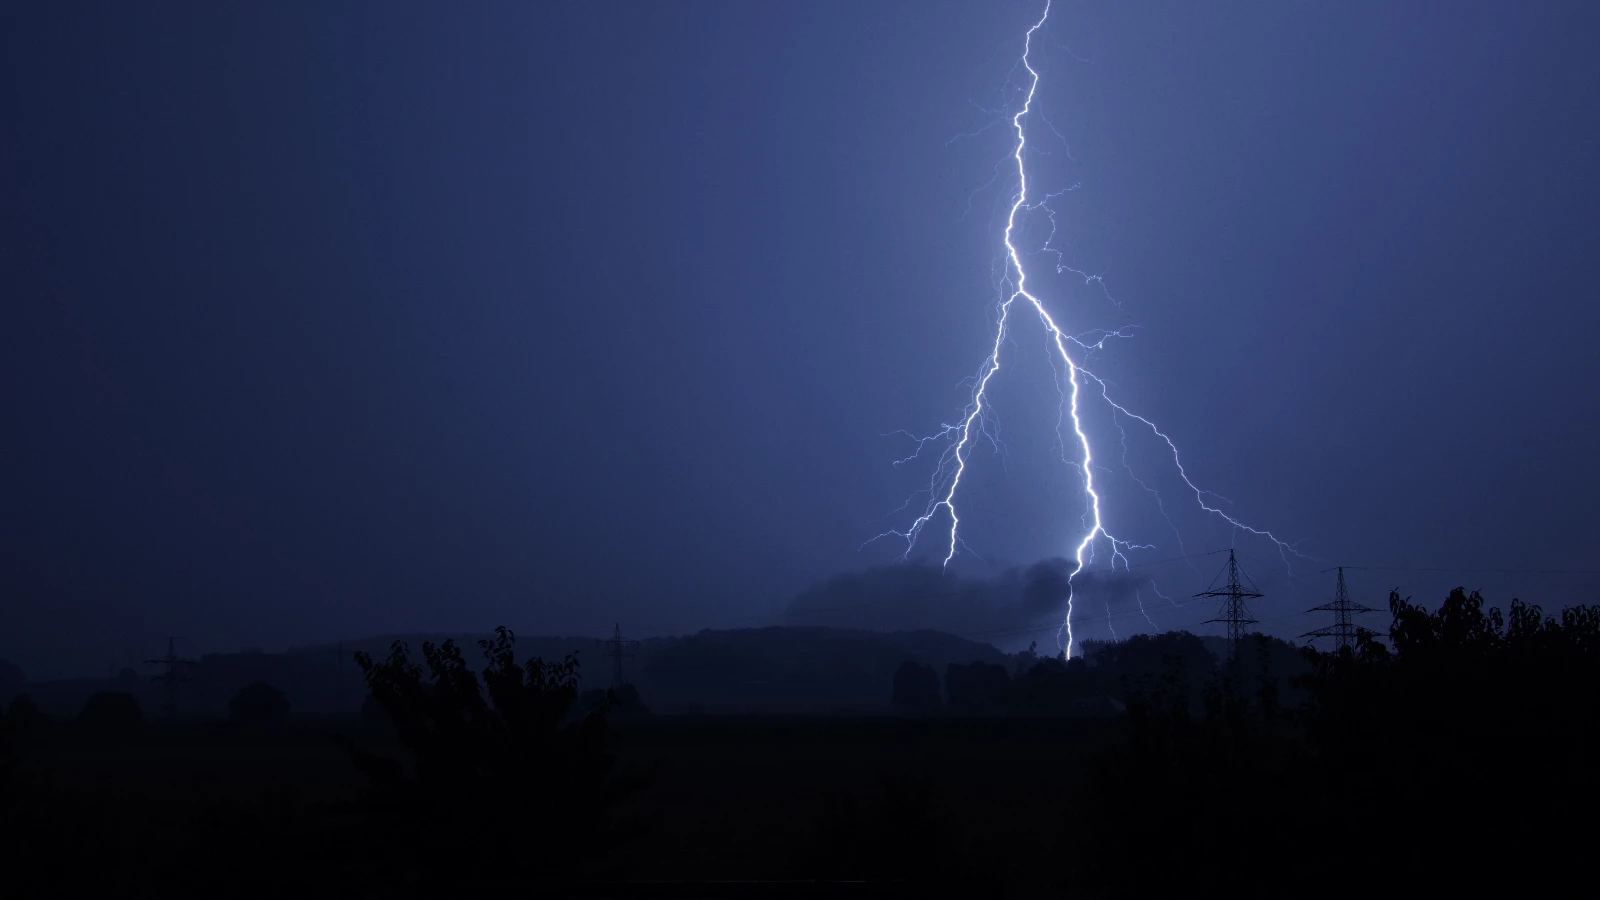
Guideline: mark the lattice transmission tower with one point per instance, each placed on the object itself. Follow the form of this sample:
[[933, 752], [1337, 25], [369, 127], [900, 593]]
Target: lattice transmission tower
[[173, 673], [1343, 630], [1233, 611], [619, 650]]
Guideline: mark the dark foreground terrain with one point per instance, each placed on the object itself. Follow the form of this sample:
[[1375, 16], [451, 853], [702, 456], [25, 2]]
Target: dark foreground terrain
[[730, 798], [1459, 757]]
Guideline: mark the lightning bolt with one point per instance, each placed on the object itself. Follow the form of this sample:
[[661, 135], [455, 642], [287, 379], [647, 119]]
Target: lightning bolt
[[960, 436]]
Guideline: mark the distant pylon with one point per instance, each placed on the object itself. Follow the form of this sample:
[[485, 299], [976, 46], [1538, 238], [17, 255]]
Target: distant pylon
[[618, 649], [1233, 612], [1343, 630], [172, 674]]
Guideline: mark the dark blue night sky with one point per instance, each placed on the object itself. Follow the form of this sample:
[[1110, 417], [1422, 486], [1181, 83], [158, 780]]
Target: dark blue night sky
[[333, 319]]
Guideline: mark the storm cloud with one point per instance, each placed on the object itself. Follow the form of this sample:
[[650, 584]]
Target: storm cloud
[[1011, 608]]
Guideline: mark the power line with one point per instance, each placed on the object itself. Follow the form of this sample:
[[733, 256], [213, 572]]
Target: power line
[[1233, 613], [955, 592], [1343, 629], [1480, 571], [174, 672], [618, 649], [1290, 580]]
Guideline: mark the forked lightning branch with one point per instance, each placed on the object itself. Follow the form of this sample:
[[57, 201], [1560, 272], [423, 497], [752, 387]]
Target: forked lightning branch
[[940, 517]]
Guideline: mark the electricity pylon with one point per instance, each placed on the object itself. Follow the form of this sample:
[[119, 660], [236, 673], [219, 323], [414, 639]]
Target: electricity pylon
[[1343, 630], [1233, 612], [618, 649], [174, 672]]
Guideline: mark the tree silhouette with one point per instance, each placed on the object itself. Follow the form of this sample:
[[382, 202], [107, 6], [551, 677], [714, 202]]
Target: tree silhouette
[[1474, 724], [1473, 716], [1122, 665], [259, 704], [1026, 660], [978, 688], [111, 713], [916, 690], [24, 716], [1053, 687], [499, 773]]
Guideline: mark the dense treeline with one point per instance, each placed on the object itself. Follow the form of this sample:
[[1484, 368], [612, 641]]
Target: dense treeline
[[1098, 683], [1460, 754], [479, 770], [787, 670], [1461, 757]]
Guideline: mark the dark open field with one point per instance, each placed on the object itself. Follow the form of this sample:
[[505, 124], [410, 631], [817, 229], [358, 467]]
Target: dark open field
[[731, 797]]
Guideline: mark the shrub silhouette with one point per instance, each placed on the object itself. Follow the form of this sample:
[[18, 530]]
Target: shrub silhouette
[[503, 787], [259, 704]]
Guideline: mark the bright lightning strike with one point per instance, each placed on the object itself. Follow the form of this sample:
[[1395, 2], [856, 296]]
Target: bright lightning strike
[[960, 436]]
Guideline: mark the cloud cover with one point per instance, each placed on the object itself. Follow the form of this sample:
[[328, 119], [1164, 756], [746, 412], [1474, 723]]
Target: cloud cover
[[1010, 609]]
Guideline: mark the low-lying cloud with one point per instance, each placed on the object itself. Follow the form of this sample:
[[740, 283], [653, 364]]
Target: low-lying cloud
[[1017, 606]]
